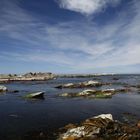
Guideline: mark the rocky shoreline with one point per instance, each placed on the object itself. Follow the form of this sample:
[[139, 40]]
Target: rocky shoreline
[[26, 77]]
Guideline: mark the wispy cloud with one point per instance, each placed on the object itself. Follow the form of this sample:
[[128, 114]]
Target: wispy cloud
[[79, 45], [87, 7]]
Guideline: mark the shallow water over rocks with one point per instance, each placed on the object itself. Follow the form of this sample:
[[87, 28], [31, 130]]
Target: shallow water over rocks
[[37, 119]]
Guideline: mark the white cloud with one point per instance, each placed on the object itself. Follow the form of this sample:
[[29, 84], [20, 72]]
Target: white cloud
[[76, 45], [86, 6]]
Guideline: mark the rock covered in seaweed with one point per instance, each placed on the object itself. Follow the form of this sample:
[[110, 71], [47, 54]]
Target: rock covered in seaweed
[[88, 128], [100, 127], [84, 93], [91, 93]]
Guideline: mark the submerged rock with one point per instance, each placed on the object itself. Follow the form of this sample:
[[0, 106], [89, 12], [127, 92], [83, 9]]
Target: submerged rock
[[3, 88], [115, 78], [129, 118], [15, 91], [36, 135], [107, 95], [100, 127], [39, 95]]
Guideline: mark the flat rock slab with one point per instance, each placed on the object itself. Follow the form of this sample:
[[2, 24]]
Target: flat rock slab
[[35, 95]]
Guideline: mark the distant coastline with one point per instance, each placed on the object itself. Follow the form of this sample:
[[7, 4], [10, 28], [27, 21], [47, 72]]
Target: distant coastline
[[26, 77], [43, 76]]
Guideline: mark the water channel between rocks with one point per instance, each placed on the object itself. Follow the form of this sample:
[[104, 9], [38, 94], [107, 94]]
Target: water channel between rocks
[[20, 117]]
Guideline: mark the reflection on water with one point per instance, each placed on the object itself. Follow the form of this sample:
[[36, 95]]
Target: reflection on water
[[19, 117]]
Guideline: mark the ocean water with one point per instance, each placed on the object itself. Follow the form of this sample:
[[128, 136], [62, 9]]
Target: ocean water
[[21, 118]]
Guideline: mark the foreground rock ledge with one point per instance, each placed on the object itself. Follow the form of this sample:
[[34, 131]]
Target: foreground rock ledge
[[101, 127]]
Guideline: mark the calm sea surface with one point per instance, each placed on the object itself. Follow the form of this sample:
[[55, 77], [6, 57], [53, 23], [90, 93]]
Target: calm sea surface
[[19, 117]]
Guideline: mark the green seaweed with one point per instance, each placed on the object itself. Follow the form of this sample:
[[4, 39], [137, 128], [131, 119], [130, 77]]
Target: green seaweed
[[103, 96]]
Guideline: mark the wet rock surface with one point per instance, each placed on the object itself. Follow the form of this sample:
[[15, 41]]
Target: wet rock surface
[[3, 88], [36, 95], [101, 127], [115, 78]]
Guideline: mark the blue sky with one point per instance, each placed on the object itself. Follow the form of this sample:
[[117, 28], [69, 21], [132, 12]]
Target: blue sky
[[70, 36]]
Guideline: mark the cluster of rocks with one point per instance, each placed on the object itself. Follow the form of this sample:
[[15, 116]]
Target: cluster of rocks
[[35, 95], [81, 84], [135, 86], [38, 76], [35, 74], [5, 89], [91, 93], [100, 127]]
